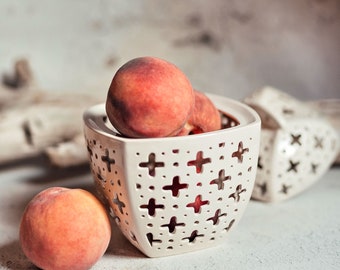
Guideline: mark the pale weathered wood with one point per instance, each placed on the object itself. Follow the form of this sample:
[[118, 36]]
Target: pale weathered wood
[[33, 121], [31, 129]]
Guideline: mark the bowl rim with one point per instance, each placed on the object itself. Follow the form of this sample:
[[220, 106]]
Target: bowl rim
[[93, 118]]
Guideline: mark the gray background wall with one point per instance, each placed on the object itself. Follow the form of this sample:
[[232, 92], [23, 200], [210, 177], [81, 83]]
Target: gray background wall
[[225, 47]]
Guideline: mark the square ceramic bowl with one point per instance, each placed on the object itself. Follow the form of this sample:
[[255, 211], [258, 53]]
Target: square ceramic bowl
[[177, 194]]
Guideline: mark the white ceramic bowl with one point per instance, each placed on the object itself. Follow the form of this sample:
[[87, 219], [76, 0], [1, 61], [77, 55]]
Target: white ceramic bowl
[[177, 194], [298, 145]]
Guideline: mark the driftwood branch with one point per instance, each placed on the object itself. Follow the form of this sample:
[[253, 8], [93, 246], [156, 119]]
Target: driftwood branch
[[34, 121]]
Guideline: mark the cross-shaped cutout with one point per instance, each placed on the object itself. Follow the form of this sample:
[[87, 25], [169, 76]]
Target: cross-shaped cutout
[[314, 167], [173, 224], [259, 163], [293, 166], [193, 236], [151, 164], [199, 162], [318, 142], [197, 203], [119, 203], [152, 206], [176, 186], [295, 139], [151, 240], [216, 217], [236, 195], [221, 178], [285, 188], [106, 158], [240, 151], [231, 223]]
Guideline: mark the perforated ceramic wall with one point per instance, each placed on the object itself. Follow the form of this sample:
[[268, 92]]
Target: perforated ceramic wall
[[298, 145], [179, 194]]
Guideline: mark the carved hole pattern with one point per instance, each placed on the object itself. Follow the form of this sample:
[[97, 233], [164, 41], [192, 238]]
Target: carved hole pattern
[[151, 164], [299, 163], [218, 174], [153, 207]]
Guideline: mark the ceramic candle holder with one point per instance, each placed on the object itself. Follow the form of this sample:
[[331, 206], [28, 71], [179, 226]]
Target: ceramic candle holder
[[330, 108], [177, 194], [298, 145]]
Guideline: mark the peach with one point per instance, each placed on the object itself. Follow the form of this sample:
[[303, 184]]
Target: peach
[[64, 228], [205, 116], [149, 97]]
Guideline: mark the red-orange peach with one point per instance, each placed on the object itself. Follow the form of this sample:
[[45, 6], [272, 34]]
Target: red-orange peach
[[149, 97], [64, 228], [205, 116]]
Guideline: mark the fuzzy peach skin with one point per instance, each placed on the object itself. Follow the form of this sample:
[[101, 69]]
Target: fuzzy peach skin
[[149, 97], [64, 228], [205, 116]]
